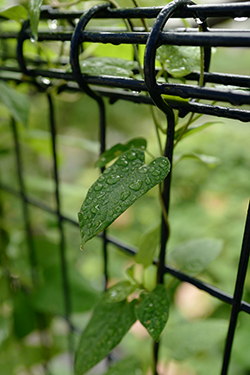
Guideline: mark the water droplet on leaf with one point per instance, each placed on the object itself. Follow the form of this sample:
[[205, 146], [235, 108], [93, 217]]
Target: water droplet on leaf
[[131, 155], [113, 179], [98, 187], [125, 195], [136, 185]]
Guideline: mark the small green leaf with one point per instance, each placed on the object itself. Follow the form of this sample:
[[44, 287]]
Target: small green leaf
[[34, 13], [110, 66], [179, 60], [194, 129], [16, 13], [211, 161], [108, 325], [153, 311], [147, 246], [120, 291], [188, 339], [118, 149], [130, 273], [118, 188], [195, 255], [17, 103], [128, 366]]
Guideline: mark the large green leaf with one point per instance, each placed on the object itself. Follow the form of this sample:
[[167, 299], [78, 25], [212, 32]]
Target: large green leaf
[[188, 339], [179, 60], [34, 13], [120, 291], [147, 246], [16, 13], [118, 149], [195, 255], [128, 366], [117, 189], [153, 311], [17, 103], [108, 325], [110, 66]]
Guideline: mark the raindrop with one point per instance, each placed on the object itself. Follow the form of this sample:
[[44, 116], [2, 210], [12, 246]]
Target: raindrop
[[150, 305], [148, 181], [107, 171], [163, 163], [123, 162], [52, 24], [113, 179], [98, 186], [32, 39], [198, 21], [125, 195], [89, 225], [143, 170], [101, 178], [136, 185], [240, 19], [131, 155], [118, 208], [156, 173], [100, 195], [103, 159], [46, 81]]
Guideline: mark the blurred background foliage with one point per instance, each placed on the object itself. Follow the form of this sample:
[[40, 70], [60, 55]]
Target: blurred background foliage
[[205, 202]]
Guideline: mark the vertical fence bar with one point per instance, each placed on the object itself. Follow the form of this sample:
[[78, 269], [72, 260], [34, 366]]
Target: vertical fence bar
[[26, 216], [239, 285], [62, 245]]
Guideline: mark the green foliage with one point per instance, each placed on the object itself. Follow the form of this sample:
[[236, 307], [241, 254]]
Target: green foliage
[[128, 366], [109, 323], [119, 292], [192, 338], [115, 151], [15, 102], [179, 60], [195, 255], [117, 189], [108, 66], [16, 12], [153, 311], [34, 13], [147, 247]]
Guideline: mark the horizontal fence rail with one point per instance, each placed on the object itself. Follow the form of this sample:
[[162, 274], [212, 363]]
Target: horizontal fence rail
[[225, 90]]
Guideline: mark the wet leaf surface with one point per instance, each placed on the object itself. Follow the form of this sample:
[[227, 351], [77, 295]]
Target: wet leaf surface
[[120, 291], [118, 188], [109, 323], [153, 311]]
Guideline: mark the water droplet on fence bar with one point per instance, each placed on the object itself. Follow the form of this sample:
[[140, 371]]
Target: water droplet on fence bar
[[46, 81], [198, 21], [113, 179], [98, 187], [125, 195], [52, 24], [240, 19], [136, 185]]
